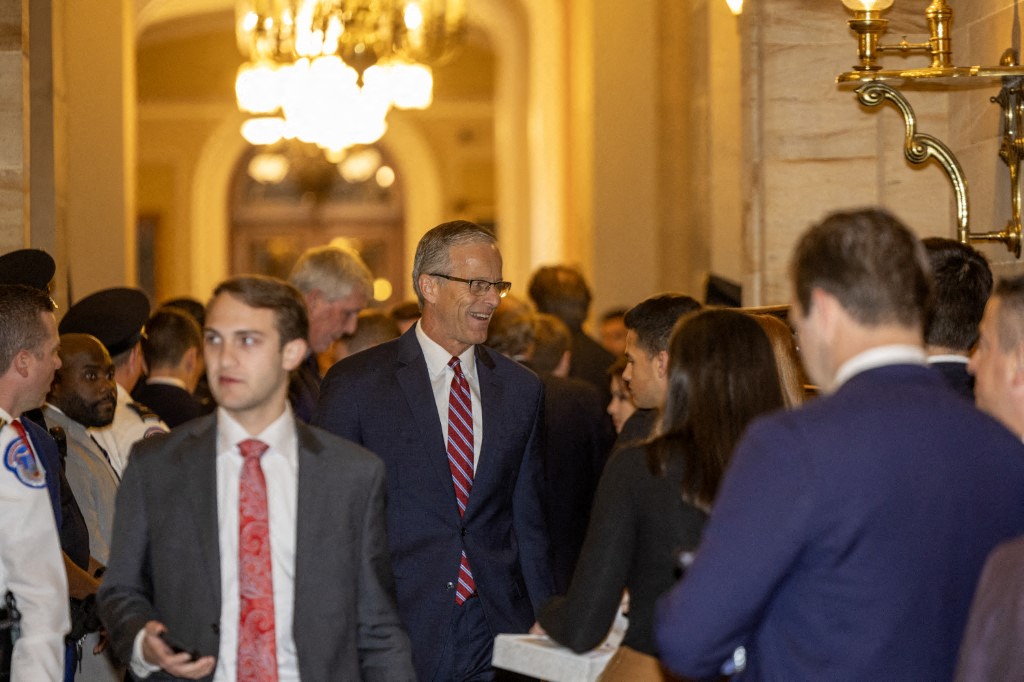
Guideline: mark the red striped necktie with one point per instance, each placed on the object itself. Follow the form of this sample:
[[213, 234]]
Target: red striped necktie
[[460, 460], [257, 644]]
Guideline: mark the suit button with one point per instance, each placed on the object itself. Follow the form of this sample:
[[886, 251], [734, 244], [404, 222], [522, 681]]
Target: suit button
[[450, 586], [465, 532]]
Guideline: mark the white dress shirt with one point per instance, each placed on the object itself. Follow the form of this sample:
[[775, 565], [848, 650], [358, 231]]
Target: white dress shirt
[[441, 382], [280, 464], [31, 566], [880, 356]]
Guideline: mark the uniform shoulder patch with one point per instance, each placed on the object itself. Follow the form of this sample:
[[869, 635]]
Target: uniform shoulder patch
[[145, 414], [20, 461]]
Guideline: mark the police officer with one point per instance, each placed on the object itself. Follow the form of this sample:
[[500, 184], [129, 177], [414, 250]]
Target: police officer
[[117, 317], [31, 564]]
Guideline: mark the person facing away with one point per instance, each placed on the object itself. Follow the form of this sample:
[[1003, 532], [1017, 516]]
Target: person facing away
[[848, 535], [458, 426], [252, 542], [562, 291], [172, 348], [653, 498], [649, 326], [963, 282], [31, 563], [335, 285], [575, 436]]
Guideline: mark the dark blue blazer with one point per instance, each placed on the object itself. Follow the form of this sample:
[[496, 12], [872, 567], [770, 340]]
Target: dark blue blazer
[[848, 536], [382, 399], [46, 449]]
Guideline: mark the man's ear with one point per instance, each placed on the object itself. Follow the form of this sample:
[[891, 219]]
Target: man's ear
[[826, 311], [189, 360], [22, 363], [428, 287], [293, 353], [1018, 366], [661, 363]]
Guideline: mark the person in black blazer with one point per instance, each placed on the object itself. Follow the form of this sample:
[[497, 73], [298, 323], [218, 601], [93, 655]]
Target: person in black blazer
[[174, 570], [172, 348], [963, 282], [394, 400]]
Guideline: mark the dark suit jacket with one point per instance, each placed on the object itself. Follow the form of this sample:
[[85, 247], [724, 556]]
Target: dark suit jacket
[[382, 399], [955, 374], [992, 649], [848, 536], [173, 404], [590, 362], [576, 444], [165, 556]]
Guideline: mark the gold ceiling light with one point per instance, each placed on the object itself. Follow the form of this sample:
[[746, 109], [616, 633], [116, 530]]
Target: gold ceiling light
[[328, 71], [879, 85]]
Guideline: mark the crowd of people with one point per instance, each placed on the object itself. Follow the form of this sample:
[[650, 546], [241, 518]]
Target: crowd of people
[[286, 484]]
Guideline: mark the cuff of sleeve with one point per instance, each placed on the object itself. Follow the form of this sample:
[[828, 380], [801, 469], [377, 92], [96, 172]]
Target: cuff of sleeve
[[140, 667]]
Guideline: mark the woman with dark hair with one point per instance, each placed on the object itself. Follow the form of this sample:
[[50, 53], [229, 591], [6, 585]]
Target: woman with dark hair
[[653, 499]]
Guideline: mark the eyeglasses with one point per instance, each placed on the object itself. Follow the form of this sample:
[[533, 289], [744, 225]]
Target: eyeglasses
[[479, 287]]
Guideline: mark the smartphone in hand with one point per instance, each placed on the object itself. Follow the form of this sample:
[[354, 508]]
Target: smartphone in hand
[[176, 646]]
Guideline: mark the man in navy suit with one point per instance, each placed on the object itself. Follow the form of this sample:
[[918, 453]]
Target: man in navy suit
[[963, 282], [473, 562], [848, 535]]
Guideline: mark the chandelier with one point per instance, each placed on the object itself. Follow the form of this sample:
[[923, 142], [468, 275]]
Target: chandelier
[[327, 72]]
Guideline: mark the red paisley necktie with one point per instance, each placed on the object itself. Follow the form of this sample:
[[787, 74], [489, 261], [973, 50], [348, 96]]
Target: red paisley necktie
[[257, 645], [460, 460]]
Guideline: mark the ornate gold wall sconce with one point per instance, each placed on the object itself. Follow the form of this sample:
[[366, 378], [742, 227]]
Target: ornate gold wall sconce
[[879, 86]]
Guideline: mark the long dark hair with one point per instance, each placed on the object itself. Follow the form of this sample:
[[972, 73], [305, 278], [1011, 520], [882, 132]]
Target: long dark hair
[[722, 374]]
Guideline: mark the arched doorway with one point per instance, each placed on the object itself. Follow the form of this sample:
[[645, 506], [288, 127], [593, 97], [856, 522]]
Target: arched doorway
[[288, 198]]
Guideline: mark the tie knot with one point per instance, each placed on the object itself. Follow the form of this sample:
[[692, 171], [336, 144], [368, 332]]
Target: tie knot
[[252, 448], [456, 365]]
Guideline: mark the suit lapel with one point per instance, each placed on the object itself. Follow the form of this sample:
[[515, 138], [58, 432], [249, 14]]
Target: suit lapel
[[414, 379], [197, 461], [491, 401], [313, 498]]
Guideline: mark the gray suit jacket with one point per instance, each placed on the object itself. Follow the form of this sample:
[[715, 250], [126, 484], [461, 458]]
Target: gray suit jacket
[[165, 559]]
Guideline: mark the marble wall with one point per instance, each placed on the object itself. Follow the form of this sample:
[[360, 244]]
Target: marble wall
[[813, 148]]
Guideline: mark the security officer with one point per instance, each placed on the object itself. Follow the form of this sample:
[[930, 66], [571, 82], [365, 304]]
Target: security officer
[[31, 564], [117, 317]]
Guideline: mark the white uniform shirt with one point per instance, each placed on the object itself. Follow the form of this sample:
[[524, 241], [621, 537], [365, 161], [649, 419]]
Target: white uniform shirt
[[31, 565], [127, 428], [280, 464]]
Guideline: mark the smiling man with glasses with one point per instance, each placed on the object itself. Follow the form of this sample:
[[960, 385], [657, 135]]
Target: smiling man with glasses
[[457, 425]]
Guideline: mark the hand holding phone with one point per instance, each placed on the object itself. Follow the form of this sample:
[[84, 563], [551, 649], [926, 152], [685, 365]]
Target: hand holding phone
[[176, 646]]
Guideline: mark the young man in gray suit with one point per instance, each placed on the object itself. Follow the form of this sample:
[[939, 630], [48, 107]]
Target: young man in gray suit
[[246, 545]]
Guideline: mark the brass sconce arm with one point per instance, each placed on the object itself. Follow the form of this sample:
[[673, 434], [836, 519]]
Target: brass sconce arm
[[919, 147]]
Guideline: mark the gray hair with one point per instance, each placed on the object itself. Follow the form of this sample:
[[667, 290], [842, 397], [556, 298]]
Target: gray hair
[[434, 250], [20, 325], [333, 270]]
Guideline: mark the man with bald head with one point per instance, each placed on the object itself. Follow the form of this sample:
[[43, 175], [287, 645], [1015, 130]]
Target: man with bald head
[[83, 395]]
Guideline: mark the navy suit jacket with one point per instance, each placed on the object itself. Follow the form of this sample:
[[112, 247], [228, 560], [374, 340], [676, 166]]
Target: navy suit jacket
[[382, 399], [848, 536], [165, 555]]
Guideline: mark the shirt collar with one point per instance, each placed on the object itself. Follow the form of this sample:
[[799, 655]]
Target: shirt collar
[[278, 435], [167, 381], [879, 356], [961, 359], [437, 358]]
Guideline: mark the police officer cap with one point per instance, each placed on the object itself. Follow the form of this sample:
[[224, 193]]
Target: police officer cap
[[31, 267], [114, 316]]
